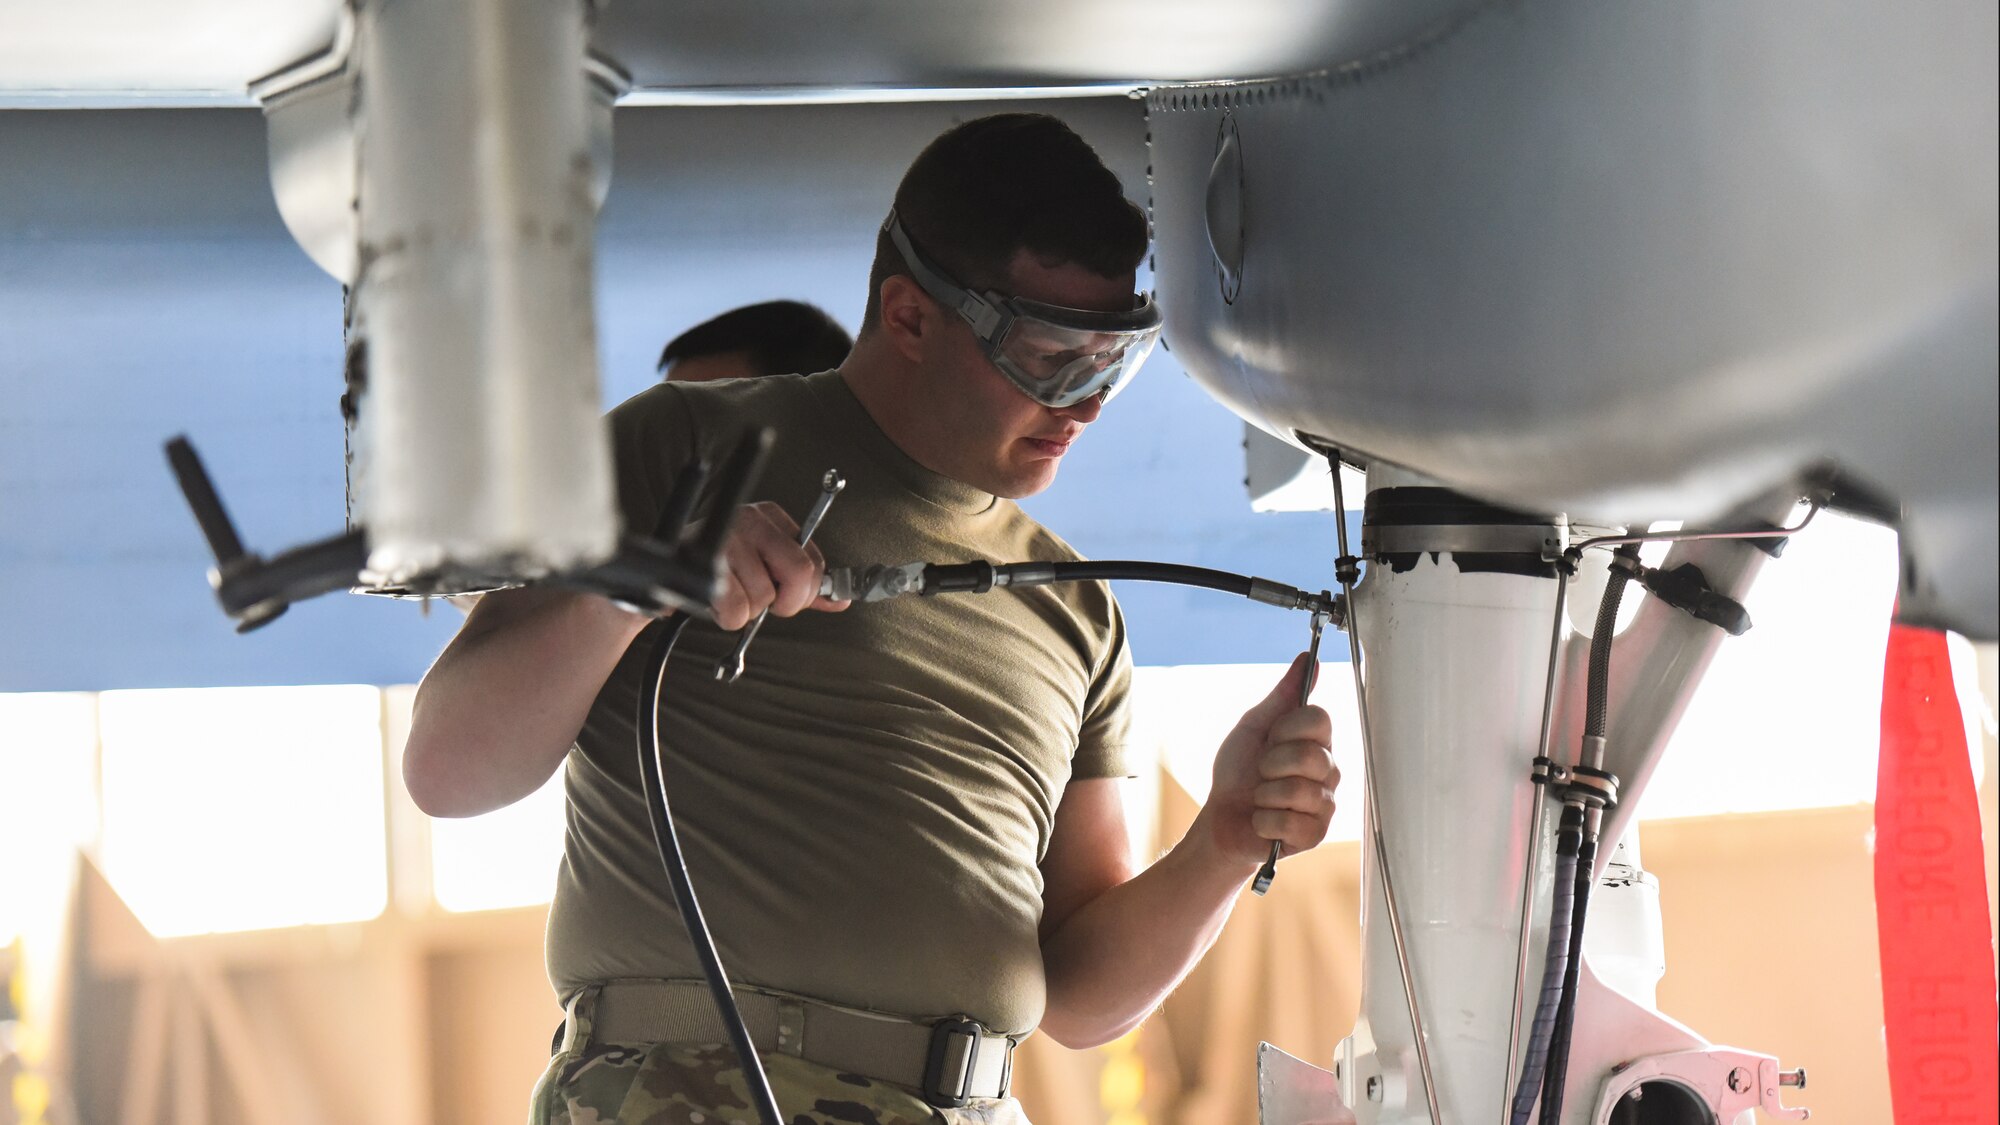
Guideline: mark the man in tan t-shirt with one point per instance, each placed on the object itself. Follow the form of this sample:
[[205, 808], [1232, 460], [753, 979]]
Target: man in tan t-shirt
[[906, 819]]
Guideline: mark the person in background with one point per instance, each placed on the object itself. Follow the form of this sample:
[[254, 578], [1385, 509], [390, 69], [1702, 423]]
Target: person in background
[[771, 338]]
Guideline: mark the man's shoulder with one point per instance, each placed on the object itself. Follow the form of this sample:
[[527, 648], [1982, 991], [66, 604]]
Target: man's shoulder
[[657, 430], [1045, 544], [1095, 599], [764, 396]]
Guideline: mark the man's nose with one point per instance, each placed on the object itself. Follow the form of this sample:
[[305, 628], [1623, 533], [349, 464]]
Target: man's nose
[[1084, 412]]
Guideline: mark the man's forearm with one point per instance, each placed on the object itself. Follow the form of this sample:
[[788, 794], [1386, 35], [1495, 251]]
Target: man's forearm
[[497, 712], [1118, 957]]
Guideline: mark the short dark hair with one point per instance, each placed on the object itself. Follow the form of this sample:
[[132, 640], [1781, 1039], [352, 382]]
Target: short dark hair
[[997, 185], [780, 337]]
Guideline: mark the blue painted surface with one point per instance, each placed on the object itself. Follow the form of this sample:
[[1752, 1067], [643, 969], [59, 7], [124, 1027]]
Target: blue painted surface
[[1163, 479], [148, 287]]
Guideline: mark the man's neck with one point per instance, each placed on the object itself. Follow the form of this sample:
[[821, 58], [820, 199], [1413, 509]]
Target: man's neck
[[883, 385]]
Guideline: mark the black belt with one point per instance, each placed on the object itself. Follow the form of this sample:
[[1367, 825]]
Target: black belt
[[950, 1062]]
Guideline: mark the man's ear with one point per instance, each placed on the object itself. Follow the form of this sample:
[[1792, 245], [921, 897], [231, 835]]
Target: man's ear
[[907, 314]]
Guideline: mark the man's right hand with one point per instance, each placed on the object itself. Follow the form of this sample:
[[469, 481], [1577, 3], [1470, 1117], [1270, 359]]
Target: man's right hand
[[498, 711], [765, 567]]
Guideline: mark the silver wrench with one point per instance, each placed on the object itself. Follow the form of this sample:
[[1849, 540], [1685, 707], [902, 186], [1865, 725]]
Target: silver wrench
[[1269, 871], [830, 485]]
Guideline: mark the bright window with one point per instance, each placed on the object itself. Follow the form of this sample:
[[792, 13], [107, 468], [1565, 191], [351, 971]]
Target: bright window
[[48, 745], [505, 858], [1788, 716], [1186, 711], [244, 808]]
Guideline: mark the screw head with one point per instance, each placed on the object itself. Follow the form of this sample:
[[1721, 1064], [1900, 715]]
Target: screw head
[[1374, 1087], [1739, 1080]]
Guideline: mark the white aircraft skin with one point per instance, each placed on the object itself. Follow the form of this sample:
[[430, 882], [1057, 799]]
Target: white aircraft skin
[[1625, 264], [1612, 263]]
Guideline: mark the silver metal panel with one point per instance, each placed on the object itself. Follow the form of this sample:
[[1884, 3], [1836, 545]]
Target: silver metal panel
[[1626, 261], [479, 442], [135, 52], [863, 44]]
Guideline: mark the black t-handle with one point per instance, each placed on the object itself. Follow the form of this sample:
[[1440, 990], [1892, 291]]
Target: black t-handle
[[201, 496]]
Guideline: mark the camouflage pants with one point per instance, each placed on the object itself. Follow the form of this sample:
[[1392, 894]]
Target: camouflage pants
[[593, 1083]]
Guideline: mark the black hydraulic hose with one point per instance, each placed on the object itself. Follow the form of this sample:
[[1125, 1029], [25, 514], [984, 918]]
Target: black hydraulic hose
[[664, 837], [1597, 707], [1558, 1064], [979, 577], [1597, 702], [1238, 584], [1555, 965]]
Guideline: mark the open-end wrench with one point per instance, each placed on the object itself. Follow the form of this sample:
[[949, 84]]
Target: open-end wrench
[[1270, 869], [830, 485]]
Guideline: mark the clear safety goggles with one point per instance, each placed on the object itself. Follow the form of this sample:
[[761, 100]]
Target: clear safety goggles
[[1057, 356]]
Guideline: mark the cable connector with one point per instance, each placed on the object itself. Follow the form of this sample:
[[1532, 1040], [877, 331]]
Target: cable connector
[[974, 577], [1325, 604], [1686, 588], [872, 583]]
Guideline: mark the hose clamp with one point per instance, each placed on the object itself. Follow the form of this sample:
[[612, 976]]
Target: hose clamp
[[1548, 771], [1593, 788]]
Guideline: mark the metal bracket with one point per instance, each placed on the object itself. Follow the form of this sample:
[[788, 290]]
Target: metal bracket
[[1291, 1091], [1726, 1080], [1544, 541], [1548, 771]]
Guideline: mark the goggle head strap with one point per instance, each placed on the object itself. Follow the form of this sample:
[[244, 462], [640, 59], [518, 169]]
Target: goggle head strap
[[993, 318], [989, 320]]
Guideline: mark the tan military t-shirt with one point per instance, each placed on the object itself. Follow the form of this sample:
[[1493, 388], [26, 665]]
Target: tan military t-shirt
[[864, 812]]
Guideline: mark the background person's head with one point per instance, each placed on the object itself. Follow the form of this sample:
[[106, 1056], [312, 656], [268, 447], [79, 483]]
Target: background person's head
[[1017, 204], [772, 338]]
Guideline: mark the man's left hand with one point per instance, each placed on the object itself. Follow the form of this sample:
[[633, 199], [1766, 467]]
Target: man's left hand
[[1274, 777]]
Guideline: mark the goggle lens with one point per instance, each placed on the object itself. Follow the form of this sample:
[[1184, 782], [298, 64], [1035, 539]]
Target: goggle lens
[[1056, 356], [1061, 367]]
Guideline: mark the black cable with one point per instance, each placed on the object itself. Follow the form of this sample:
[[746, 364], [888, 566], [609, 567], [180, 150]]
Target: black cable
[[1175, 573], [654, 783], [1597, 709], [1555, 964], [1558, 1063], [980, 576], [1597, 703]]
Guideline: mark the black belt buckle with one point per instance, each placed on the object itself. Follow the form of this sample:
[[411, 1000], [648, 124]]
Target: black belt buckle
[[949, 1068]]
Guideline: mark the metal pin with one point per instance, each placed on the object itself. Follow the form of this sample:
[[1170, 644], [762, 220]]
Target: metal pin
[[830, 485], [1269, 871], [1373, 812]]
